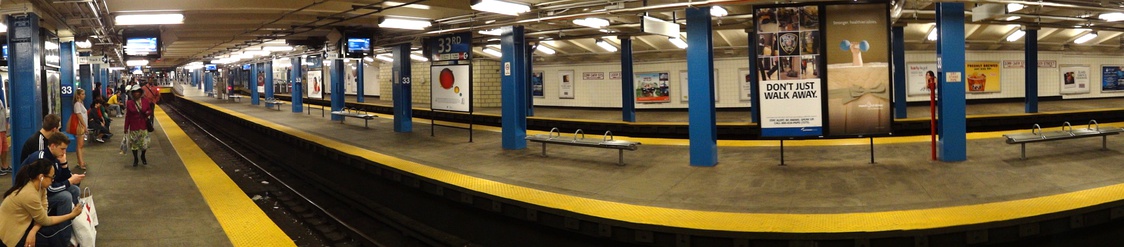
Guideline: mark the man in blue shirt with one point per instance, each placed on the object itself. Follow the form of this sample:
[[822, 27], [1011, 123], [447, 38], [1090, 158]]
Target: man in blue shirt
[[63, 193]]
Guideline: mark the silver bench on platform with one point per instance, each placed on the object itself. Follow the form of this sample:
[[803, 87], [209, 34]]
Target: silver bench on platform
[[355, 114], [1037, 135], [274, 102], [606, 141], [235, 97]]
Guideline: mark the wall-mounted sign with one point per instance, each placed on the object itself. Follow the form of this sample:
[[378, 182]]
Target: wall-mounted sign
[[593, 76], [457, 46]]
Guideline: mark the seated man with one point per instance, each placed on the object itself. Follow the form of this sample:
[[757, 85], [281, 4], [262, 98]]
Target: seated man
[[99, 122], [63, 193], [115, 105]]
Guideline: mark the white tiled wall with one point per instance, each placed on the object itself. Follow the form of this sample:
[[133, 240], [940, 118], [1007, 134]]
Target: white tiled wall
[[607, 93], [485, 82]]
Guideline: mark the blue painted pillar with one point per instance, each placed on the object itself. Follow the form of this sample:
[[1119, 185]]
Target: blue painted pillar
[[209, 82], [85, 75], [952, 142], [67, 62], [513, 87], [359, 80], [24, 72], [338, 99], [628, 88], [401, 77], [753, 80], [1031, 40], [252, 85], [295, 76], [267, 68], [89, 87], [898, 36], [703, 128]]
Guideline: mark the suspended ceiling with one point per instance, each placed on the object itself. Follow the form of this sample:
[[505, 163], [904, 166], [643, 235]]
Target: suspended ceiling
[[215, 27]]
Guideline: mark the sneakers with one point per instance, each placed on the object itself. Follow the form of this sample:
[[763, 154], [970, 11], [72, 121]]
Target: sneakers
[[99, 140], [5, 171]]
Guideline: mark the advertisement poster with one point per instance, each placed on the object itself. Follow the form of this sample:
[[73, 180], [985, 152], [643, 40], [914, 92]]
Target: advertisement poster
[[683, 95], [314, 84], [350, 77], [261, 81], [1112, 79], [566, 84], [536, 84], [790, 89], [450, 88], [982, 77], [371, 79], [746, 92], [1075, 79], [918, 77], [652, 87], [858, 81]]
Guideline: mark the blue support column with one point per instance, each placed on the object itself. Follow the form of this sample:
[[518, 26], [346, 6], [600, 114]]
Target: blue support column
[[952, 142], [513, 88], [24, 72], [85, 74], [628, 89], [703, 128], [67, 62], [267, 68], [359, 81], [1031, 40], [753, 80], [898, 36], [209, 82], [253, 84], [89, 87], [296, 77], [400, 87], [337, 87]]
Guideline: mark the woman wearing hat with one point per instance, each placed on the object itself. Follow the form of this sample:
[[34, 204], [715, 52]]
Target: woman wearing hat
[[137, 110]]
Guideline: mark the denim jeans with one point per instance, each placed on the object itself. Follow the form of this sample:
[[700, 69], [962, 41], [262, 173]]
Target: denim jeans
[[60, 203], [116, 109]]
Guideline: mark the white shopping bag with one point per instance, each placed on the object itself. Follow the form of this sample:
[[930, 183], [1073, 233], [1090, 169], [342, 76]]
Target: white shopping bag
[[84, 231], [87, 198]]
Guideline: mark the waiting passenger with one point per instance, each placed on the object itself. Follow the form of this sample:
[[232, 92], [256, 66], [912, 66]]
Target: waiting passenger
[[51, 123], [63, 192], [23, 211], [137, 110], [5, 144], [99, 122], [115, 105], [79, 130]]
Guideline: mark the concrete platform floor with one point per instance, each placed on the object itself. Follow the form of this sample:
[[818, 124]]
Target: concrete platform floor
[[154, 205], [744, 115], [835, 178]]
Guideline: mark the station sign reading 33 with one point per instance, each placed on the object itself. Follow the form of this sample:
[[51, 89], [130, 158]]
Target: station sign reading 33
[[457, 46]]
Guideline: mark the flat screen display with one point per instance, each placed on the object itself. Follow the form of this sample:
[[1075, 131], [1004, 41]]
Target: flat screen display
[[211, 67], [141, 46], [5, 52], [358, 45], [245, 67]]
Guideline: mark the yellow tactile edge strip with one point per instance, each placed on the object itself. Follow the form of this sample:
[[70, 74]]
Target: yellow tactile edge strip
[[918, 219], [244, 223]]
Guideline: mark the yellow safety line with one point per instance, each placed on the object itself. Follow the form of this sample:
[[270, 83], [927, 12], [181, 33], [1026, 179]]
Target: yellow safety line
[[756, 143], [244, 223], [917, 219]]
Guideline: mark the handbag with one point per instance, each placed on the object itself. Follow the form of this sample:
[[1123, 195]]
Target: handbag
[[72, 124], [84, 225]]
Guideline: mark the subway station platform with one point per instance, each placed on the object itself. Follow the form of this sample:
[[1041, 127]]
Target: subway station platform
[[181, 198], [828, 186]]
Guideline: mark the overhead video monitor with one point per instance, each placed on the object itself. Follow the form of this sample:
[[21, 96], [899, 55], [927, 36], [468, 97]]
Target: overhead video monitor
[[5, 52], [358, 47], [245, 67], [211, 67]]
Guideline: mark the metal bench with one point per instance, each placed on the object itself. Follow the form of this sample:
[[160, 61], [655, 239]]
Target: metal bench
[[346, 113], [1037, 135], [606, 141], [274, 103], [235, 97], [310, 105]]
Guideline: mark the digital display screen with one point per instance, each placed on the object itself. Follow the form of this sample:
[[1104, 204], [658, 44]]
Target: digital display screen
[[245, 67], [356, 45], [5, 52], [211, 67], [140, 46]]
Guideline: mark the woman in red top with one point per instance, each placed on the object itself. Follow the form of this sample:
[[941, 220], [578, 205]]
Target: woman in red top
[[137, 110]]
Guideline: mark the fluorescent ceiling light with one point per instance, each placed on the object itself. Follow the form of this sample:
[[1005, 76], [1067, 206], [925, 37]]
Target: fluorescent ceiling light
[[256, 53], [500, 7], [1012, 18], [1115, 16], [277, 48], [718, 11], [131, 63], [493, 52], [85, 44], [368, 59], [592, 22], [545, 49], [412, 6], [1018, 34], [418, 58], [149, 19], [493, 32], [1012, 7], [605, 45], [1085, 38], [677, 42], [932, 35], [3, 28], [412, 24]]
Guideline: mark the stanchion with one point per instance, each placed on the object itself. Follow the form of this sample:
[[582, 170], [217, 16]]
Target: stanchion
[[782, 153], [871, 150]]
